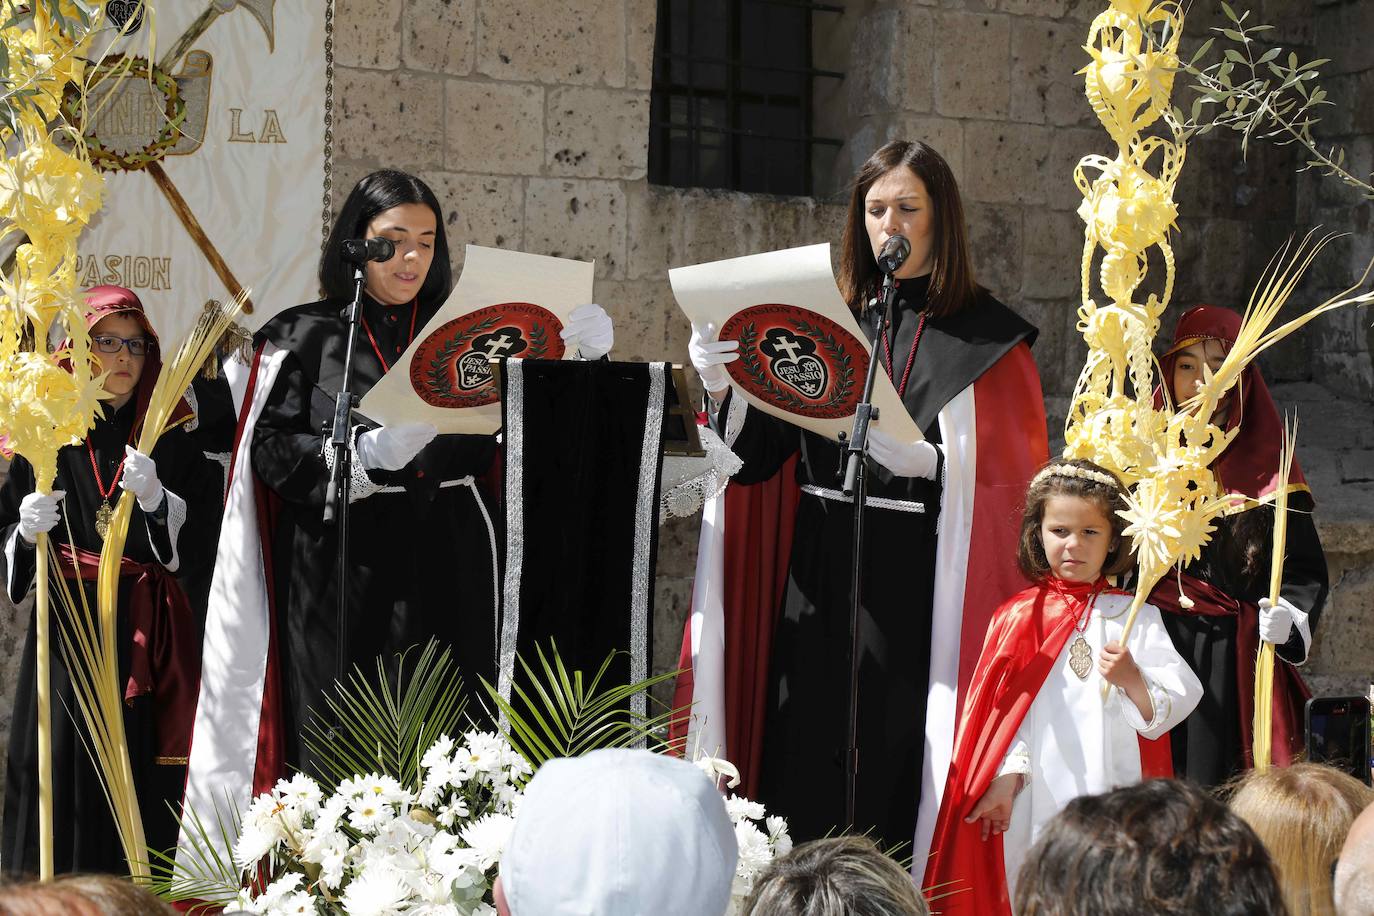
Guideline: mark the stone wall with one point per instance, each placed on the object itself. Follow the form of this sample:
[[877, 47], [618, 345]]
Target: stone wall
[[530, 120]]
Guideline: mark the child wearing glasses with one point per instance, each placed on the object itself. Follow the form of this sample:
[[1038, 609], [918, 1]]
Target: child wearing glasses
[[159, 645]]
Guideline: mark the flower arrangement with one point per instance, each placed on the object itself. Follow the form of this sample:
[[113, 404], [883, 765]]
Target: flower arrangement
[[373, 847], [422, 833], [760, 838]]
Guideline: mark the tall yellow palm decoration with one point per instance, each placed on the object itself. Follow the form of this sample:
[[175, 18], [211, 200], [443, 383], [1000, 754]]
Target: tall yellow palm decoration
[[48, 192], [1162, 454]]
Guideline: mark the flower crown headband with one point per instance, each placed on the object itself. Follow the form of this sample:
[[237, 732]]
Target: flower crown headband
[[1070, 470]]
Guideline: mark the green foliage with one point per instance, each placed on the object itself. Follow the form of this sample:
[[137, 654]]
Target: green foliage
[[206, 875], [385, 724], [557, 713], [1256, 90]]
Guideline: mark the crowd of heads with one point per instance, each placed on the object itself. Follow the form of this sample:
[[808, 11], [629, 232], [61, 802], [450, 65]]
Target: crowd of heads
[[630, 832]]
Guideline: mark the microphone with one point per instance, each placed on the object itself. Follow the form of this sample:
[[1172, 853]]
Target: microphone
[[359, 251], [893, 255]]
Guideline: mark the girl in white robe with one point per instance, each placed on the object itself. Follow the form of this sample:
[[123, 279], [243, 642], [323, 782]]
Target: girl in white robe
[[1035, 732]]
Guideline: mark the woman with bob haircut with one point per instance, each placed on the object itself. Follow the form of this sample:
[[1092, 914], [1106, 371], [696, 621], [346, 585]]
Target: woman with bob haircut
[[1302, 814], [961, 362], [422, 552]]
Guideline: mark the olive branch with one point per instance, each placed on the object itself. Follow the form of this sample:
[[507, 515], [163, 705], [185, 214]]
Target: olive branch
[[1254, 90]]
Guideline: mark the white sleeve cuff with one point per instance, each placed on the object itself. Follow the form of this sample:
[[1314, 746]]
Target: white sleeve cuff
[[1160, 704], [734, 418], [360, 485], [12, 562], [1302, 622], [1017, 760], [176, 518]]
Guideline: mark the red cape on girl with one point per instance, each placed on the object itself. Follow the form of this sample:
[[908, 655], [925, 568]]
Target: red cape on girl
[[1024, 641]]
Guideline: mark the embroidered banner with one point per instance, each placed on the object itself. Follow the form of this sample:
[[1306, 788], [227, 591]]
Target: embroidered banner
[[802, 355], [215, 156]]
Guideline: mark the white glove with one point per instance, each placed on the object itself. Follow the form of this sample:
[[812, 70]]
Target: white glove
[[710, 355], [590, 331], [1276, 620], [38, 513], [140, 479], [918, 460], [390, 448]]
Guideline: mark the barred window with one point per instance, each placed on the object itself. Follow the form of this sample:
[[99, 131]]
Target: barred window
[[732, 101]]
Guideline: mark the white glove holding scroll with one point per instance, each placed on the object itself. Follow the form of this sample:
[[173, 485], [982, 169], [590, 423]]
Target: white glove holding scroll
[[919, 459], [38, 514], [589, 330], [710, 355], [140, 479], [391, 448]]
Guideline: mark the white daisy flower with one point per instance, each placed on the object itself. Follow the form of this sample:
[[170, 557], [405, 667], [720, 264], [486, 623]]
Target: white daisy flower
[[739, 808], [375, 892], [488, 836]]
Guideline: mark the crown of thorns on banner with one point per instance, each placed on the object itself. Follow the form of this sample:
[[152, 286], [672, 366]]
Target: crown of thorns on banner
[[151, 113]]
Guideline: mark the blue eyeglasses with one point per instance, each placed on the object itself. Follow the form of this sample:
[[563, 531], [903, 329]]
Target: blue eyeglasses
[[108, 343]]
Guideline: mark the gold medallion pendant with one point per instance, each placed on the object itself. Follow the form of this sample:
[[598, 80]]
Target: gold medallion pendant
[[103, 516], [1080, 657]]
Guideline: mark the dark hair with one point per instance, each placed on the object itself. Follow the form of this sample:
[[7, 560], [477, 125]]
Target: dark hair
[[839, 876], [374, 194], [1030, 552], [952, 286], [1159, 847]]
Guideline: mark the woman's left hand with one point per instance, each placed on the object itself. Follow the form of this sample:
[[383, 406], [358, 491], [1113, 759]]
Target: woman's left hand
[[140, 479], [1275, 620], [919, 459], [589, 331]]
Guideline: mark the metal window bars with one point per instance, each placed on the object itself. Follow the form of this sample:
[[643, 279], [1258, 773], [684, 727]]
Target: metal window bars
[[732, 102]]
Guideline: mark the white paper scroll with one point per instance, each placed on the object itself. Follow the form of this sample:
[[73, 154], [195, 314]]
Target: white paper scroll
[[506, 303], [802, 354]]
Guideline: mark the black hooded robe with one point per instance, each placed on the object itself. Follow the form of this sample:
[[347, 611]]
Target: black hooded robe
[[423, 547]]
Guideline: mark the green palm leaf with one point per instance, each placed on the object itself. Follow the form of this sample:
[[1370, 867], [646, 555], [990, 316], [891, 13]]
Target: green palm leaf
[[205, 875], [560, 713], [384, 724]]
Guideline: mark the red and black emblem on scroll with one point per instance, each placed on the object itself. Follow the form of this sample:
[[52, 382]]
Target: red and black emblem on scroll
[[452, 367], [796, 359]]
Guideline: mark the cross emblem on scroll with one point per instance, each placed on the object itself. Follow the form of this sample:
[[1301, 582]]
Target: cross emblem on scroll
[[792, 360]]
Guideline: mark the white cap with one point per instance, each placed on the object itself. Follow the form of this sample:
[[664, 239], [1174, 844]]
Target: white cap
[[620, 833]]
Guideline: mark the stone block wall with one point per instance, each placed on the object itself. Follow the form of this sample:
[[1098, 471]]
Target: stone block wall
[[530, 120]]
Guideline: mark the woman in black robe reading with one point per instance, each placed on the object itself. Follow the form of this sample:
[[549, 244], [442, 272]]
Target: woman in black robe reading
[[423, 558], [940, 523]]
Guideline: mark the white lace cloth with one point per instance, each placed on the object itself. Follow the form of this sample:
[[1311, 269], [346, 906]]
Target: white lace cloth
[[688, 482]]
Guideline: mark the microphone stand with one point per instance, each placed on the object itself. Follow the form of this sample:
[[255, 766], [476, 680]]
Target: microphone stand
[[336, 496], [856, 485]]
